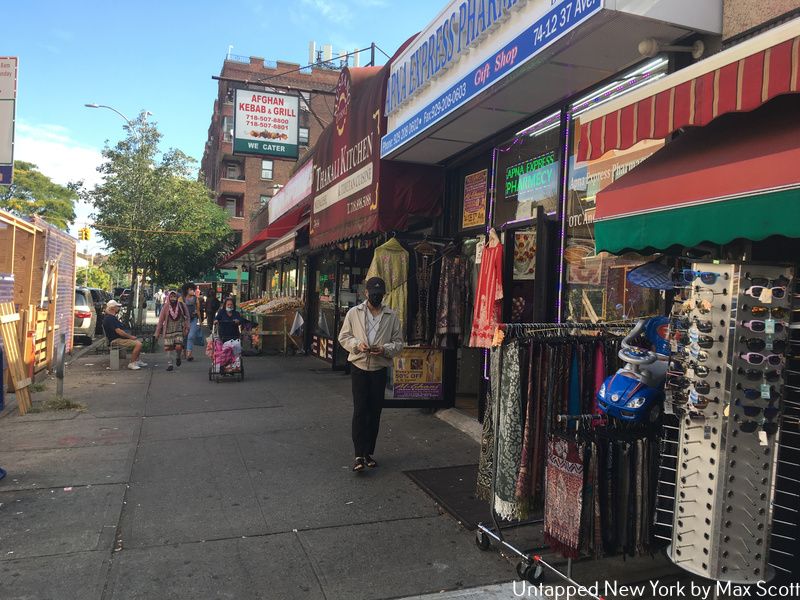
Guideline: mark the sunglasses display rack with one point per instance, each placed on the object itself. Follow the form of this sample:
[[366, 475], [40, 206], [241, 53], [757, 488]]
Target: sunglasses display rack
[[725, 382]]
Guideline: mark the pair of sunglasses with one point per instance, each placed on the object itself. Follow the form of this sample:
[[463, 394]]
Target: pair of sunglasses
[[776, 312], [686, 323], [756, 358], [750, 410], [756, 375], [689, 275], [750, 426], [758, 344], [759, 326], [754, 394], [680, 369], [755, 291], [705, 341], [697, 354]]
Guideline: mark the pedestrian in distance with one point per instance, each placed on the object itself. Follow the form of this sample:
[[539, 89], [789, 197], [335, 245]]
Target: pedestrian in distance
[[173, 326], [372, 335], [192, 309], [158, 297], [228, 321], [119, 338], [212, 307]]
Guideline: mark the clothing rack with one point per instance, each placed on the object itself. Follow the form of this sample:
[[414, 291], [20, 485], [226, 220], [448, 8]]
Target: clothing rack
[[531, 566]]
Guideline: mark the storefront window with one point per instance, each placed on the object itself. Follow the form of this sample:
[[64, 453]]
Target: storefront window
[[527, 169], [596, 283], [325, 289]]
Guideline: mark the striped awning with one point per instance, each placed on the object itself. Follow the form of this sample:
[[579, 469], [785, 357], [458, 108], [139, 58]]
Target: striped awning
[[739, 79], [736, 178]]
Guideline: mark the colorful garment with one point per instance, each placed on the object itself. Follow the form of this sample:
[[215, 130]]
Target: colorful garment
[[469, 251], [422, 333], [509, 442], [173, 324], [564, 500], [488, 296], [390, 263], [451, 300]]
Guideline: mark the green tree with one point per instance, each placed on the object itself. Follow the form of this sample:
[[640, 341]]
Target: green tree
[[93, 277], [151, 210], [34, 193]]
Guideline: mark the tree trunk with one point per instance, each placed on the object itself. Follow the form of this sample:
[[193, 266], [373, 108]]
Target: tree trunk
[[139, 312]]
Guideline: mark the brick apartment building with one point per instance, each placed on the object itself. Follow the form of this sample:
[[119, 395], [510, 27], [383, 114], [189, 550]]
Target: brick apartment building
[[243, 185]]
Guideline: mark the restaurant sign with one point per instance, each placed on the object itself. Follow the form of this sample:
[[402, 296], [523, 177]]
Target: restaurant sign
[[266, 124]]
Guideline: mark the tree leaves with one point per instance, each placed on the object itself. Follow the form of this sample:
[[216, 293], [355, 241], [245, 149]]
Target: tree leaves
[[146, 197], [34, 193]]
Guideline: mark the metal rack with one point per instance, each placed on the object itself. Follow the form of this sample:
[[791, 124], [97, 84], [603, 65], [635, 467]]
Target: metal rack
[[727, 472], [531, 566]]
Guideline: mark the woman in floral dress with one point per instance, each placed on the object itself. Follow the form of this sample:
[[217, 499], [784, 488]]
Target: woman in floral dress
[[173, 325]]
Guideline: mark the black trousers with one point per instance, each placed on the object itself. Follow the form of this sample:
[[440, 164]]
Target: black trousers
[[368, 391]]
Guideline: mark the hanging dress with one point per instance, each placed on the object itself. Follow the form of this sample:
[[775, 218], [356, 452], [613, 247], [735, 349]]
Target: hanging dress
[[488, 297]]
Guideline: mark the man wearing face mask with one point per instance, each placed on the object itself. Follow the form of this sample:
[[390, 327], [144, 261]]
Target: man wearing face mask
[[372, 334]]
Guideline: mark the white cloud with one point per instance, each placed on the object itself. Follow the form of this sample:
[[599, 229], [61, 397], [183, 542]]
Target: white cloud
[[63, 159], [336, 12], [57, 155]]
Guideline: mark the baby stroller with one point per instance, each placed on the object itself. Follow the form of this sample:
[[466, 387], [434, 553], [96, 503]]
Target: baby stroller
[[226, 357]]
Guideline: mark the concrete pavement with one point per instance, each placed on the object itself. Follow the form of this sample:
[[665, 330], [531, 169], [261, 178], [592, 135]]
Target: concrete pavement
[[169, 486]]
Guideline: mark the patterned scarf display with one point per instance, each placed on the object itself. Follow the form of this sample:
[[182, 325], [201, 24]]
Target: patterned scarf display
[[509, 443], [564, 500]]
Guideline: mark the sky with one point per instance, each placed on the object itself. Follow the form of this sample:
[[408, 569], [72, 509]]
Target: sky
[[160, 56]]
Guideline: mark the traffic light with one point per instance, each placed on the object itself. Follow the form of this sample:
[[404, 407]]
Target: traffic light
[[84, 234]]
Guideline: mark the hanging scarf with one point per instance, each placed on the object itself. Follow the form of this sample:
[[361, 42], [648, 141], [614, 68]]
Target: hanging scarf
[[485, 464], [509, 443], [564, 500], [574, 385], [175, 310]]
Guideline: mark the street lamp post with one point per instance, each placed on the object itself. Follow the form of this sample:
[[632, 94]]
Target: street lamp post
[[136, 286]]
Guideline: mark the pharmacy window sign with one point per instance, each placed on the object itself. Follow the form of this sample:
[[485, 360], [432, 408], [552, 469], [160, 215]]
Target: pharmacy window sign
[[266, 124]]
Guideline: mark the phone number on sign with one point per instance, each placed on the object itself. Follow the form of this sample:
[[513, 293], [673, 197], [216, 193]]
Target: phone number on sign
[[444, 103]]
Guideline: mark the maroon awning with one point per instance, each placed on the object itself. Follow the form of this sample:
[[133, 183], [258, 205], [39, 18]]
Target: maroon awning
[[356, 193], [252, 249]]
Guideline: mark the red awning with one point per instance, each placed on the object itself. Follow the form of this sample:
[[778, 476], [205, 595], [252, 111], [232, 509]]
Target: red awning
[[252, 249], [739, 79], [738, 177]]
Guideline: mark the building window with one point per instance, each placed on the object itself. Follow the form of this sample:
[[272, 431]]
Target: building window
[[266, 169], [231, 171], [302, 136], [233, 206], [237, 239], [227, 129]]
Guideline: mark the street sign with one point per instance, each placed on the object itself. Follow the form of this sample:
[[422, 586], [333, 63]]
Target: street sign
[[8, 98]]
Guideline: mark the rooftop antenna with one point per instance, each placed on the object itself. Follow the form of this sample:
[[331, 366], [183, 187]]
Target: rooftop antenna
[[312, 53], [230, 47]]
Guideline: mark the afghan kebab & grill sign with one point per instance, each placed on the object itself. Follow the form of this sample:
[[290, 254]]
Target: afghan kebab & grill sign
[[266, 124]]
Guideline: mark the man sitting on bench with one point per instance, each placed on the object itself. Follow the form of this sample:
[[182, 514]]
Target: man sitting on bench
[[119, 338]]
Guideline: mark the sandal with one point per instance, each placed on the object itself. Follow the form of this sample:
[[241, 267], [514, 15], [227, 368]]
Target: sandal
[[359, 465], [370, 462]]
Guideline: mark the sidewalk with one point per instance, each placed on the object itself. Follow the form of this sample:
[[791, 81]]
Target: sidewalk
[[169, 486]]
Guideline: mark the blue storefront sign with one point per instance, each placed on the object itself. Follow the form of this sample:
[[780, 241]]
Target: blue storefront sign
[[562, 18]]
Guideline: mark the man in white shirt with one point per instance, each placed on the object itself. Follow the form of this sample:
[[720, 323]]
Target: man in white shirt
[[372, 334]]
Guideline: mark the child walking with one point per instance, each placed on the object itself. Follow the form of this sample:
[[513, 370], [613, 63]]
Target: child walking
[[173, 325]]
